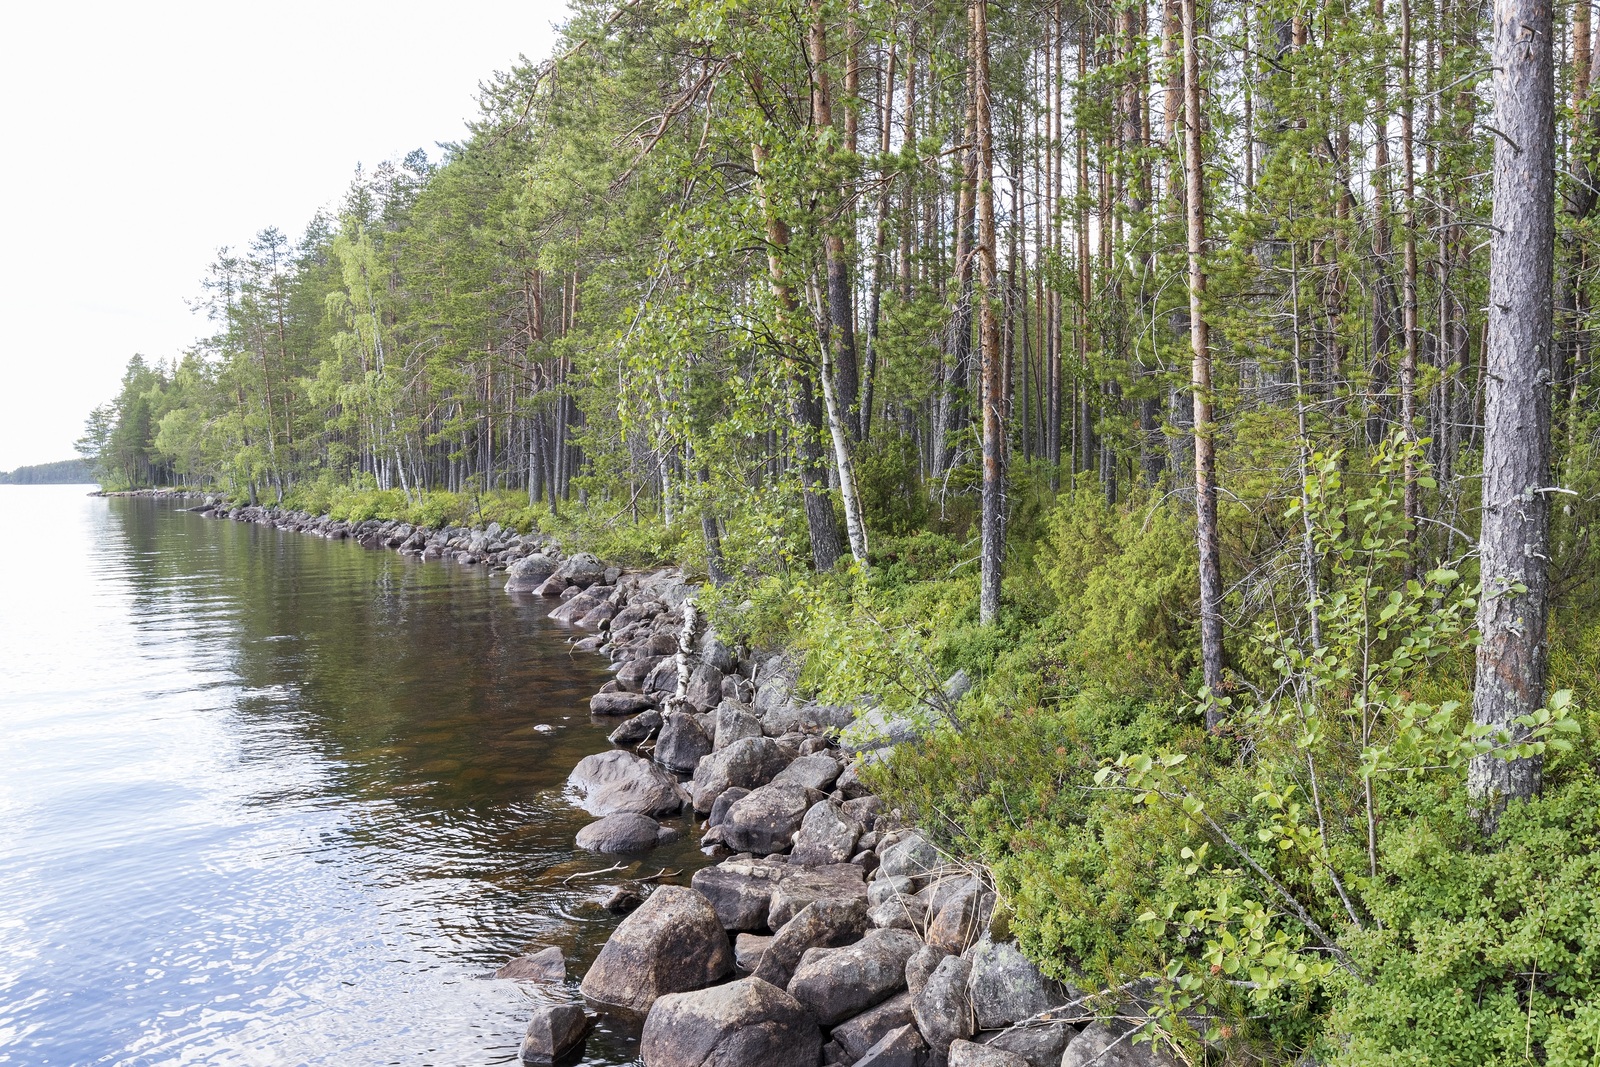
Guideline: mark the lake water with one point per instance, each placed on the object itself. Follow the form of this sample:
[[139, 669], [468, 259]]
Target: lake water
[[269, 799]]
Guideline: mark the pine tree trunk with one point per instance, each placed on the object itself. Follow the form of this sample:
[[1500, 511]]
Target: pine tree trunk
[[1514, 540], [993, 549], [1208, 542]]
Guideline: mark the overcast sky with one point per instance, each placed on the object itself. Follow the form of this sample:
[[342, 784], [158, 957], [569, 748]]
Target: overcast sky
[[142, 137]]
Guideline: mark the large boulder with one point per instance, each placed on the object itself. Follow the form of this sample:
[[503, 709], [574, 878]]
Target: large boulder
[[620, 704], [575, 608], [705, 687], [972, 1054], [582, 570], [528, 573], [943, 1006], [748, 1023], [859, 1034], [632, 674], [1100, 1046], [624, 832], [825, 835], [820, 924], [766, 821], [740, 891], [817, 772], [802, 885], [748, 763], [1006, 988], [618, 781], [683, 742], [837, 983], [731, 722], [554, 1031], [672, 944]]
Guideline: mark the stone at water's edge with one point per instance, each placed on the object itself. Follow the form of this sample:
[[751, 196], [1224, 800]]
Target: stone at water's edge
[[624, 832], [672, 944], [683, 742], [620, 704], [554, 1031], [748, 1023], [617, 781], [766, 821], [546, 965], [740, 891]]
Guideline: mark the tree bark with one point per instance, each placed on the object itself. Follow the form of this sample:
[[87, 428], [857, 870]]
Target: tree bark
[[1514, 539], [1205, 465], [993, 550]]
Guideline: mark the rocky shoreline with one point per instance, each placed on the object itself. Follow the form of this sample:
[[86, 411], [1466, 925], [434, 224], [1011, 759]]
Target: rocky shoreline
[[827, 933]]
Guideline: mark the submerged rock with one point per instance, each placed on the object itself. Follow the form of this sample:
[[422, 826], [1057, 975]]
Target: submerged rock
[[546, 965]]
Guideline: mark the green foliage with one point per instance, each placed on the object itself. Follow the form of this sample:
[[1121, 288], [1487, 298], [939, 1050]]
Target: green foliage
[[1126, 582]]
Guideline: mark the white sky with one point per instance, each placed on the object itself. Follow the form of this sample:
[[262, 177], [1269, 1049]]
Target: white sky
[[142, 137]]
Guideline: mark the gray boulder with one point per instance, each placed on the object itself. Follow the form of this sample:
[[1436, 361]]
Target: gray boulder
[[672, 944], [705, 687], [711, 650], [1100, 1046], [637, 729], [575, 608], [814, 772], [1041, 1044], [962, 919], [749, 950], [546, 965], [898, 912], [748, 763], [631, 675], [683, 742], [528, 573], [859, 1034], [820, 924], [766, 821], [554, 1031], [582, 570], [748, 1023], [732, 723], [620, 704], [610, 782], [943, 1006], [825, 836], [1006, 988], [912, 857], [802, 885], [624, 832], [972, 1054], [740, 891], [900, 1047], [837, 983], [719, 810]]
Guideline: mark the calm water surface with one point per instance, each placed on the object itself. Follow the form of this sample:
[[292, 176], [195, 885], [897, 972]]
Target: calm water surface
[[268, 799]]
